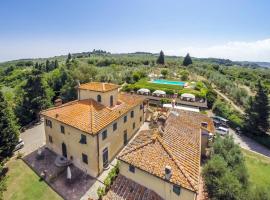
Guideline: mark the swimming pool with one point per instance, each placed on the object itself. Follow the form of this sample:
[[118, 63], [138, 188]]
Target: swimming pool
[[163, 81]]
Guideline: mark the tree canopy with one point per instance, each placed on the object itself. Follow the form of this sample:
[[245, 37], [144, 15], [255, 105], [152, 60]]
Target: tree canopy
[[35, 96], [257, 114], [8, 129]]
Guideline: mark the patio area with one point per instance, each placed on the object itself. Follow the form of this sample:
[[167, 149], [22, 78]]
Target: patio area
[[56, 177]]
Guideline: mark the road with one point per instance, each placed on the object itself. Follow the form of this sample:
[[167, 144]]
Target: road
[[33, 137], [249, 144]]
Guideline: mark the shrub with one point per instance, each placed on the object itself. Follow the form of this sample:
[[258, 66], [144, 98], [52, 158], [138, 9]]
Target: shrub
[[165, 100], [101, 192], [225, 174]]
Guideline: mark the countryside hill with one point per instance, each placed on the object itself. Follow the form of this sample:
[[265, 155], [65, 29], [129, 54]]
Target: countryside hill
[[218, 61]]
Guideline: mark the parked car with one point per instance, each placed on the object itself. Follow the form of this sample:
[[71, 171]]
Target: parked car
[[222, 130], [238, 131], [220, 119], [19, 145]]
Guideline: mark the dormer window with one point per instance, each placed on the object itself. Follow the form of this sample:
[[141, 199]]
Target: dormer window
[[99, 98]]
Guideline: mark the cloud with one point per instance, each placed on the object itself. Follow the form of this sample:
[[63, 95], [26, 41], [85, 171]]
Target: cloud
[[240, 51]]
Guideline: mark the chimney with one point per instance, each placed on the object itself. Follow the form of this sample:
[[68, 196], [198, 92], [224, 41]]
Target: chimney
[[168, 172], [58, 102], [78, 83]]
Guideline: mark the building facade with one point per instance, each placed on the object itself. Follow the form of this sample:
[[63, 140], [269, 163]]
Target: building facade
[[93, 129]]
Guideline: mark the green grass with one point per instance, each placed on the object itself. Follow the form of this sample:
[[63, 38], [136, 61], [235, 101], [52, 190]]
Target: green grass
[[143, 83], [169, 89], [24, 184], [258, 168]]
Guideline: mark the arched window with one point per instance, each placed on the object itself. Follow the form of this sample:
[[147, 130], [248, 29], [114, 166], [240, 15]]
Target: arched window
[[111, 101], [98, 98]]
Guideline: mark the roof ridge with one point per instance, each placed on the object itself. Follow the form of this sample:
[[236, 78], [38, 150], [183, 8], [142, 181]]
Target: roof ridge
[[175, 161], [91, 115], [63, 105]]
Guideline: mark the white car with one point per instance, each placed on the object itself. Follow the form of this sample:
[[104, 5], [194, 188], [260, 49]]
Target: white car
[[222, 131], [19, 145]]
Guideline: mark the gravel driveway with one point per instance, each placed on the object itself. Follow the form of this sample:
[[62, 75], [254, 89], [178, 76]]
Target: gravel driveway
[[33, 137]]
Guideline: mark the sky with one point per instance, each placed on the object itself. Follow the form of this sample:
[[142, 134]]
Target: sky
[[233, 29]]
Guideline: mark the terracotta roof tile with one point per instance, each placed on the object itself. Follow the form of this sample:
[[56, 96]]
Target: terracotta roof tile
[[126, 189], [98, 86], [90, 116], [179, 147]]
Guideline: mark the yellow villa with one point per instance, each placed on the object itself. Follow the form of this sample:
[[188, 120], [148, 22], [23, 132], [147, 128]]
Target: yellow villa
[[91, 130]]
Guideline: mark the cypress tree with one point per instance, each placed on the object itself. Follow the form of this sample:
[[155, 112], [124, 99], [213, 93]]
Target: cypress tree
[[187, 60], [257, 114], [9, 130], [47, 66], [36, 96], [161, 59], [56, 64]]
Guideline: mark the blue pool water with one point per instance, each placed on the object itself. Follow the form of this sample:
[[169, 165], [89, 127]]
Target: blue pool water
[[163, 81]]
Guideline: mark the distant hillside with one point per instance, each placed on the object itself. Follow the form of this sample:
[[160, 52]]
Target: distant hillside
[[218, 61], [261, 64]]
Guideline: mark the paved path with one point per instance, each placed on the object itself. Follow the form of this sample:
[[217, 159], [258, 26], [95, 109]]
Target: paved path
[[33, 137]]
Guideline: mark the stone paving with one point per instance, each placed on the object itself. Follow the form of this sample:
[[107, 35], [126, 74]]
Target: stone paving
[[56, 177]]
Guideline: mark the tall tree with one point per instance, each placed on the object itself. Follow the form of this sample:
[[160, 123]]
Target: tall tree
[[35, 96], [69, 58], [187, 60], [161, 59], [56, 64], [257, 114], [9, 133], [48, 66], [8, 129]]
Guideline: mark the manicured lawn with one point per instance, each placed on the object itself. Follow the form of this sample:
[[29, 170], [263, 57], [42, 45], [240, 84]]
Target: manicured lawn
[[24, 184], [169, 89], [258, 168]]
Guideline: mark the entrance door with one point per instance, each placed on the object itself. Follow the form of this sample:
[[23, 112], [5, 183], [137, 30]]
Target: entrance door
[[64, 150], [105, 158]]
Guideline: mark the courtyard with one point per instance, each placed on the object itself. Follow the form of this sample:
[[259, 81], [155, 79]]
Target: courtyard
[[56, 177]]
